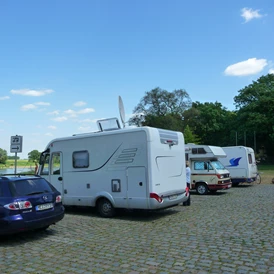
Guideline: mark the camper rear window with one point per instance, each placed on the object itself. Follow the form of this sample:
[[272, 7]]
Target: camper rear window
[[80, 159], [250, 158]]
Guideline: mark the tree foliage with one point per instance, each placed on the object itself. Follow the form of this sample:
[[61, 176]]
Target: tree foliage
[[210, 121], [190, 137], [255, 105], [34, 156], [3, 156], [13, 157], [160, 108]]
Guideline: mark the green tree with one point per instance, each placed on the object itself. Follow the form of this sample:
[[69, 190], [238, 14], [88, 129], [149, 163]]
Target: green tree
[[34, 156], [190, 137], [255, 108], [13, 157], [3, 156], [212, 122], [162, 109]]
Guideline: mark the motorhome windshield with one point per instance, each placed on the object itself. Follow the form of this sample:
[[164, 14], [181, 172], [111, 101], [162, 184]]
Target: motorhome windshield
[[217, 165]]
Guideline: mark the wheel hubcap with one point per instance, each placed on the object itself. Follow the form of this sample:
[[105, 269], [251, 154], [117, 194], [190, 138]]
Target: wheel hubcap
[[106, 207], [201, 189]]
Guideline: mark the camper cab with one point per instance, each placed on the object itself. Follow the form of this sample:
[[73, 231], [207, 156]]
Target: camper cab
[[241, 163], [207, 172], [132, 168]]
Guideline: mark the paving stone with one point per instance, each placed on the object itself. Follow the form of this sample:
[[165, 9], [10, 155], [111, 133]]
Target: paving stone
[[229, 232]]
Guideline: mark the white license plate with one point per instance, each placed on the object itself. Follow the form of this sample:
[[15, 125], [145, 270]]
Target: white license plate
[[173, 197], [44, 206]]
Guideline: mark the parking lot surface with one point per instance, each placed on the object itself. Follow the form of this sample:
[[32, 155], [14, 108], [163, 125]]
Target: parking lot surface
[[229, 232]]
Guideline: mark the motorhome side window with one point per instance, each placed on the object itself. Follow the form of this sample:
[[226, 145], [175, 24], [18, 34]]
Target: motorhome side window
[[80, 159], [201, 165], [55, 163], [250, 158]]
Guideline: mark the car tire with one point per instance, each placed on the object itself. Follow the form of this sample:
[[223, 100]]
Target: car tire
[[202, 189], [105, 208]]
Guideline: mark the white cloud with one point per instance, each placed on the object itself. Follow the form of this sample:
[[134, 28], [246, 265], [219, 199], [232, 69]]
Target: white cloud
[[70, 112], [271, 71], [55, 112], [52, 127], [79, 103], [31, 92], [1, 121], [248, 67], [34, 106], [86, 110], [28, 107], [42, 104], [60, 119], [249, 14], [4, 98], [74, 113]]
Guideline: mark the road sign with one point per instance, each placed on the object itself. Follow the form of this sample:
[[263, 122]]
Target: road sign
[[16, 143], [15, 148], [16, 140]]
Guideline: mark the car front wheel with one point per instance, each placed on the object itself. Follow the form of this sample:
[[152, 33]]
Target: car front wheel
[[202, 189]]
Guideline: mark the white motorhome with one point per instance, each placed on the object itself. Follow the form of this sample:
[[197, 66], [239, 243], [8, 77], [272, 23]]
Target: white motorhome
[[241, 163], [132, 168], [207, 173]]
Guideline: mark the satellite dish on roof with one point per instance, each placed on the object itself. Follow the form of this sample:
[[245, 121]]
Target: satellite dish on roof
[[122, 111]]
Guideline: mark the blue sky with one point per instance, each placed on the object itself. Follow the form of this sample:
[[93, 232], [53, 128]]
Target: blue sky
[[63, 64]]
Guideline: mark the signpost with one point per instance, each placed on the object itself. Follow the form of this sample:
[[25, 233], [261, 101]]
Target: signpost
[[16, 144]]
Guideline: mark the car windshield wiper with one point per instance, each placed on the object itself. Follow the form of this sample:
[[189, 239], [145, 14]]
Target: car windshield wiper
[[34, 193]]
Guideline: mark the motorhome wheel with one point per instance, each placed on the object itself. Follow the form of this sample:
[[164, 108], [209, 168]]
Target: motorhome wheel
[[202, 189], [105, 208]]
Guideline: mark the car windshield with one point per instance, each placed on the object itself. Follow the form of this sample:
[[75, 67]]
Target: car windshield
[[217, 165], [30, 187]]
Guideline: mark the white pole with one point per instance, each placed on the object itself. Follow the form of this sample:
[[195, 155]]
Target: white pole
[[15, 165]]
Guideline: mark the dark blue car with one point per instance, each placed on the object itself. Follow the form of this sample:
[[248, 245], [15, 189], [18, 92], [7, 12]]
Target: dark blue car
[[28, 202]]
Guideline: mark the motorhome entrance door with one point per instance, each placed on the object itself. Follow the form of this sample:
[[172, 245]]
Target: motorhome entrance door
[[56, 176], [137, 187]]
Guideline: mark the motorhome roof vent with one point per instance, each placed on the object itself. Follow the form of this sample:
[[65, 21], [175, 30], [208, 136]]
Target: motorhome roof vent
[[108, 124]]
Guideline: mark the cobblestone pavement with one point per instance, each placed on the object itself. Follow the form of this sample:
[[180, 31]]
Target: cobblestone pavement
[[229, 232]]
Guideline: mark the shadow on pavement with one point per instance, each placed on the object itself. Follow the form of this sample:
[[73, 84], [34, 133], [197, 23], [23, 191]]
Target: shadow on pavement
[[124, 214], [212, 194], [28, 236]]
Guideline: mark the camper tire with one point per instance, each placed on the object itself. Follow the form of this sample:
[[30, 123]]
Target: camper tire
[[105, 208], [201, 189]]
